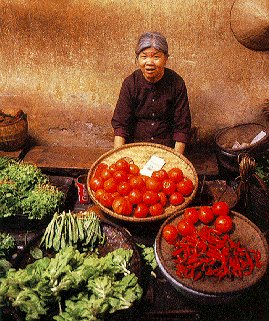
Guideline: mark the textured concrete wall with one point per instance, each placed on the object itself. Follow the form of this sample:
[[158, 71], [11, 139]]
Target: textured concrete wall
[[63, 62]]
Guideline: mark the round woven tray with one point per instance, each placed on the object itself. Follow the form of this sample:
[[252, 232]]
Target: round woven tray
[[140, 153], [243, 133], [245, 231]]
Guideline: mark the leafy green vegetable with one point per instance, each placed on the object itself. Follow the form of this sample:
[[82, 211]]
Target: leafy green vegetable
[[5, 265], [24, 175], [7, 243], [7, 246], [148, 255], [9, 199], [73, 285], [41, 201], [25, 190]]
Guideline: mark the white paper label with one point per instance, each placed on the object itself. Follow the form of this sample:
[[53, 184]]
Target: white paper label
[[155, 163], [258, 137]]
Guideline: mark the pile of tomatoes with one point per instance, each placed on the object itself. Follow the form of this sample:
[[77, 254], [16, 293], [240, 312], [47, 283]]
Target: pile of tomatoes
[[216, 215], [122, 188]]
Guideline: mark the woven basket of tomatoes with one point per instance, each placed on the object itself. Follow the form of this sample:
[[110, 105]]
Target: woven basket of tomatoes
[[211, 253], [118, 185]]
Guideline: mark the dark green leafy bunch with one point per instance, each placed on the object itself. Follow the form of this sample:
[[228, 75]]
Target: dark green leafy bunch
[[42, 201], [7, 246], [148, 256], [9, 199], [24, 175], [25, 190], [262, 168], [72, 286]]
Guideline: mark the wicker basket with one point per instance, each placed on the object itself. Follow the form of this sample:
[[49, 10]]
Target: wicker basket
[[13, 135], [243, 133], [140, 153], [210, 290]]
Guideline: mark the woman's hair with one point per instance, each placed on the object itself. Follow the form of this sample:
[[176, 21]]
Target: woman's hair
[[152, 39]]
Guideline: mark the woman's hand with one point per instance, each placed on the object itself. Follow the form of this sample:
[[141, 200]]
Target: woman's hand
[[180, 147], [118, 141]]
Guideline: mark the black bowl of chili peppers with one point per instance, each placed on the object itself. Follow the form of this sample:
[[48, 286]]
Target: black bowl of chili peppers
[[212, 257]]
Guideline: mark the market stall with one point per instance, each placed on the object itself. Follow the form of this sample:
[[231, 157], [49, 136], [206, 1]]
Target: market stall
[[158, 299]]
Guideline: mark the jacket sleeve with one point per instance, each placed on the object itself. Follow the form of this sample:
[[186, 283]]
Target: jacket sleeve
[[182, 115], [123, 114]]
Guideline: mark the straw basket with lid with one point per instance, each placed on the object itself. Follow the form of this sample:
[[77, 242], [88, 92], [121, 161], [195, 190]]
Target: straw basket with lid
[[140, 154], [13, 131]]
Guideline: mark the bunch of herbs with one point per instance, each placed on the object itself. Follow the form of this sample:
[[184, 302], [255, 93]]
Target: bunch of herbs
[[25, 190]]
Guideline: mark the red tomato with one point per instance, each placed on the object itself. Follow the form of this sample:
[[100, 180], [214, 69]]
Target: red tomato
[[122, 206], [176, 198], [163, 198], [175, 174], [223, 223], [106, 199], [137, 182], [205, 214], [115, 195], [220, 208], [124, 188], [99, 169], [141, 210], [122, 165], [185, 227], [191, 215], [168, 186], [95, 183], [105, 174], [185, 187], [170, 233], [134, 169], [135, 196], [99, 193], [150, 197], [153, 184], [110, 185], [112, 168], [160, 175], [156, 209], [120, 176]]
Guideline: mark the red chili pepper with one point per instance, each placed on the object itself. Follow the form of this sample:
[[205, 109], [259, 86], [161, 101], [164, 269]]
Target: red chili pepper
[[213, 254]]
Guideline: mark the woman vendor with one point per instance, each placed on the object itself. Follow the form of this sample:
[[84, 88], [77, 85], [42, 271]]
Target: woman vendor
[[153, 103]]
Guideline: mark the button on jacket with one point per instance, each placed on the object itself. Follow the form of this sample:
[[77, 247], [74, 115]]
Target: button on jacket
[[153, 112]]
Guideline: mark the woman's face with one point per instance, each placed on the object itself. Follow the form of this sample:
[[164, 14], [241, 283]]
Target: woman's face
[[152, 63]]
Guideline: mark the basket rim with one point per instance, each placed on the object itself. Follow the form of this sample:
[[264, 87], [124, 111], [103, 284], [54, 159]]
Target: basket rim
[[230, 150], [149, 218], [23, 117], [187, 285]]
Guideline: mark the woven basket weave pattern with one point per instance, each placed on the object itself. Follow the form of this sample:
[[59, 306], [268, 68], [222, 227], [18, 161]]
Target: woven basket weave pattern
[[140, 153], [245, 231], [14, 135], [243, 133]]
